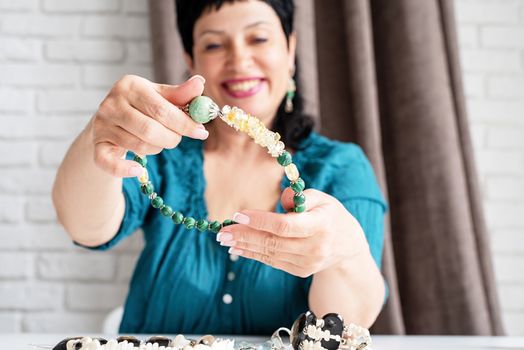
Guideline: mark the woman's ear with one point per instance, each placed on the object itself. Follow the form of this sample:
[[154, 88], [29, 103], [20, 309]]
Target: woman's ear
[[292, 44], [189, 63]]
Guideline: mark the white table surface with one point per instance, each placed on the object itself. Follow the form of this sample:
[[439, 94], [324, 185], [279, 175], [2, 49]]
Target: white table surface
[[23, 341]]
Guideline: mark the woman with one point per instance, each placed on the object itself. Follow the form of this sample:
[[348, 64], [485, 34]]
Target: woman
[[184, 281]]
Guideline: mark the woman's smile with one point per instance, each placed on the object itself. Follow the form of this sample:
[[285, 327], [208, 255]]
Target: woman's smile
[[243, 87]]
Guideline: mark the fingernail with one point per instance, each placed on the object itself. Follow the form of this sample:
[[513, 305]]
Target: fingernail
[[228, 243], [201, 126], [199, 77], [200, 134], [241, 218], [224, 236], [136, 171], [235, 251]]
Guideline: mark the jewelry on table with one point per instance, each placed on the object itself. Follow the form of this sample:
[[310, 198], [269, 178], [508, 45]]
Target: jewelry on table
[[307, 333], [328, 333], [202, 110]]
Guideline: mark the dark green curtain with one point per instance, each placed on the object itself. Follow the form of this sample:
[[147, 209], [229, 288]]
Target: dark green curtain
[[385, 74]]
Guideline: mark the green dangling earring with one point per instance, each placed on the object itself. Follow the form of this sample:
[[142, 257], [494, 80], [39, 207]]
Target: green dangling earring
[[290, 94]]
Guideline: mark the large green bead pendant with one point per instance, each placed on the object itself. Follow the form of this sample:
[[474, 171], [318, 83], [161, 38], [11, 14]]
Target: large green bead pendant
[[201, 109]]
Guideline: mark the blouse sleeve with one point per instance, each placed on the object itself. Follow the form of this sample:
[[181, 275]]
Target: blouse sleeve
[[136, 205], [370, 215]]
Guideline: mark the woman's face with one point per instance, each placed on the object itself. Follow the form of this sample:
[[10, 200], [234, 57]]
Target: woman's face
[[243, 53]]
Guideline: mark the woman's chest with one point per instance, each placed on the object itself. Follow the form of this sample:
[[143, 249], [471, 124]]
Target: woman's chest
[[230, 189]]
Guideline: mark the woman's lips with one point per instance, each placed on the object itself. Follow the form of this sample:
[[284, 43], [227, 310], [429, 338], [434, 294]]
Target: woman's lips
[[239, 88]]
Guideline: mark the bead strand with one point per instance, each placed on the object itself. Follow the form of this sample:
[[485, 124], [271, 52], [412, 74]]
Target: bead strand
[[252, 126], [157, 202], [202, 109]]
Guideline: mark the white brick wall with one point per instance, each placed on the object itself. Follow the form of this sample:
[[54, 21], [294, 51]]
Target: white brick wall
[[57, 60], [491, 34]]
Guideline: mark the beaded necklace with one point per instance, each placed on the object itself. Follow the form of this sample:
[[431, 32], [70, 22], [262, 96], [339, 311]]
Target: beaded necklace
[[202, 110]]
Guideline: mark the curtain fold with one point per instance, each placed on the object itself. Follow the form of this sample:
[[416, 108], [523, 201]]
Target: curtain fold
[[385, 74]]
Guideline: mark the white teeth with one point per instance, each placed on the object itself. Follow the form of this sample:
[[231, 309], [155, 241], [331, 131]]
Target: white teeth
[[244, 85]]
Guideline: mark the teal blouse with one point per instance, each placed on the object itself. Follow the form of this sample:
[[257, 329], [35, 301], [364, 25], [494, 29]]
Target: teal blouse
[[185, 282]]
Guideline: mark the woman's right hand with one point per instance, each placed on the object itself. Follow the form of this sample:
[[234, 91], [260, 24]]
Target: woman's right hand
[[143, 117]]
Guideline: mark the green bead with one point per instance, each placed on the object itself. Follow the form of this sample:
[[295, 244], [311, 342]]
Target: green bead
[[140, 160], [157, 202], [285, 158], [298, 186], [146, 188], [177, 217], [202, 224], [166, 210], [215, 226], [199, 109], [299, 208], [189, 222], [299, 199], [228, 222]]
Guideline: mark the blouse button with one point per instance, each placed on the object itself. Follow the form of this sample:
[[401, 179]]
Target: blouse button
[[227, 299], [233, 257], [230, 276]]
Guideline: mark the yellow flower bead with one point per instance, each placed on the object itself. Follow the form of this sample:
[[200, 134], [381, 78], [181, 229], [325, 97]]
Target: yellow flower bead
[[292, 172], [144, 178]]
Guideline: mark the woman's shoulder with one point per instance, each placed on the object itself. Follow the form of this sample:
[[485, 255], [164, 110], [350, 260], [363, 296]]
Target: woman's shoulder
[[331, 152], [341, 168]]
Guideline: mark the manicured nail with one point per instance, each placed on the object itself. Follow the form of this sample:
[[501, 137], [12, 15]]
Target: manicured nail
[[201, 126], [199, 77], [224, 236], [228, 243], [235, 251], [241, 218], [136, 171], [200, 134]]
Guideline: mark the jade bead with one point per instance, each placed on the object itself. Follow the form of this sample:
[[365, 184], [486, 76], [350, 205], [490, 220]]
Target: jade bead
[[189, 222], [177, 217], [299, 199], [199, 109], [285, 158], [298, 185], [157, 202], [140, 160], [166, 210], [215, 226], [228, 222], [146, 188], [202, 224], [299, 208]]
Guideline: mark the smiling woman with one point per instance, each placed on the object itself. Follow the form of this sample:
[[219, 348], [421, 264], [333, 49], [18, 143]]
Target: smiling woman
[[271, 265]]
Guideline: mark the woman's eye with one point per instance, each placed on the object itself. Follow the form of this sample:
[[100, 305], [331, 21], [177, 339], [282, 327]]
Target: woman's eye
[[259, 40], [211, 47]]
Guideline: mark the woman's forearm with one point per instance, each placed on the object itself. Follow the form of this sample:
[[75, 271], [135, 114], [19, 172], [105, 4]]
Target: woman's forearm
[[354, 289], [88, 201]]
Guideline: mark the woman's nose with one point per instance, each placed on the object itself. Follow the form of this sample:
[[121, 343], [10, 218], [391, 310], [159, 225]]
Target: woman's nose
[[240, 56]]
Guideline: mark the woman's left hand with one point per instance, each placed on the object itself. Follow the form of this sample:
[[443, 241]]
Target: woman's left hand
[[326, 235]]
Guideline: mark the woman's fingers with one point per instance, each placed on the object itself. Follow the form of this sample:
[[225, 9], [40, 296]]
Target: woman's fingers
[[272, 261], [290, 224], [147, 98], [245, 237], [108, 158], [111, 146], [147, 129], [182, 94]]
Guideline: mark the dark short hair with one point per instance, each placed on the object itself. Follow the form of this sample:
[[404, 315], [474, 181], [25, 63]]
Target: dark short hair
[[294, 126]]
